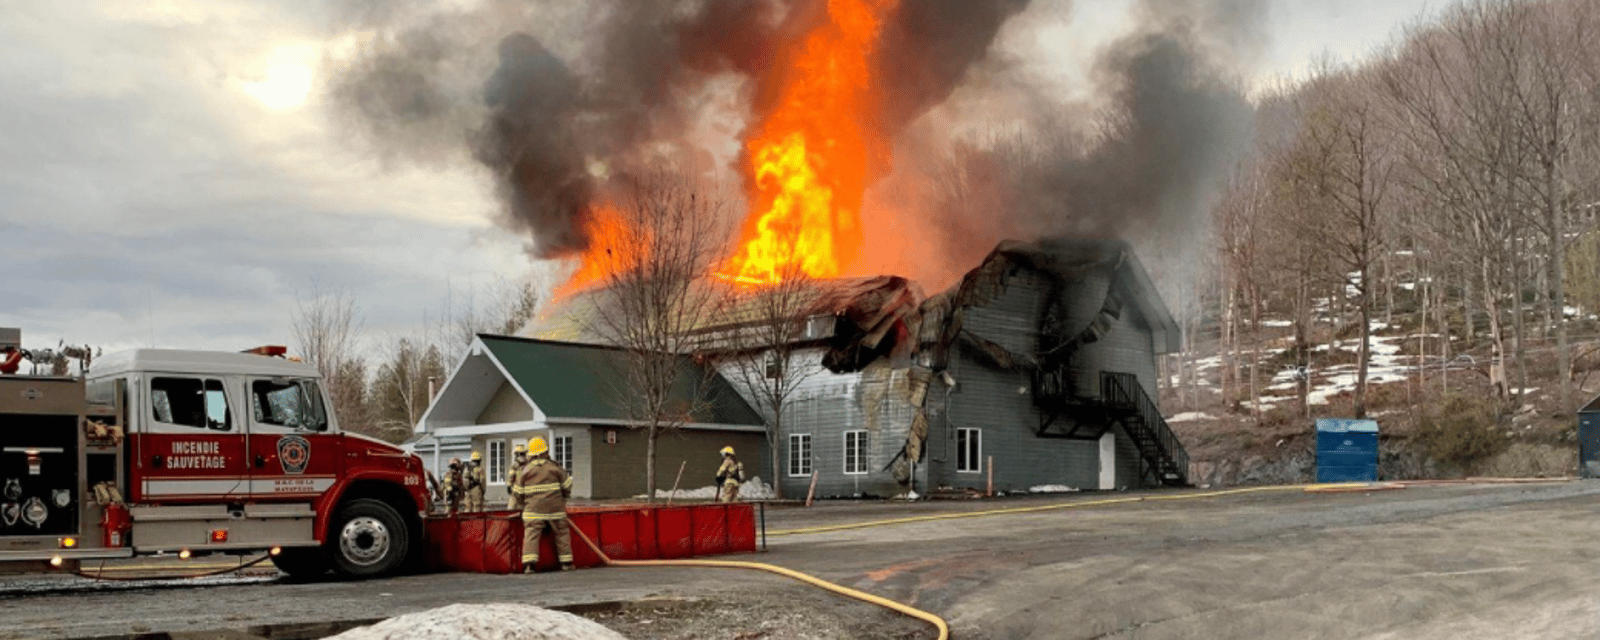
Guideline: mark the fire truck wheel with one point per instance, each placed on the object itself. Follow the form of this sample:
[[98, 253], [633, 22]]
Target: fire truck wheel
[[301, 563], [368, 539]]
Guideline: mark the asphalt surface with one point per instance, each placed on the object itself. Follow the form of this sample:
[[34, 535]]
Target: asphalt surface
[[1450, 561]]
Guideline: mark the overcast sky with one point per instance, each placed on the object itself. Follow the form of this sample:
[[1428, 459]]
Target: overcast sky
[[170, 174]]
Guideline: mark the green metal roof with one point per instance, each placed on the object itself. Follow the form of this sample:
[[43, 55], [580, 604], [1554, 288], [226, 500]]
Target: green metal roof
[[574, 380]]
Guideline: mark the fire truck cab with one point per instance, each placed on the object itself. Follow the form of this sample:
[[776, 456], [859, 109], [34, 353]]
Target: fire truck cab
[[191, 452]]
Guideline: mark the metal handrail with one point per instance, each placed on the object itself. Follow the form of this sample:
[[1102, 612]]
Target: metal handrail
[[1123, 390]]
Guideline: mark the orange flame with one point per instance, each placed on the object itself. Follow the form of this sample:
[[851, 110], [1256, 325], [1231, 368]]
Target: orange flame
[[608, 233], [810, 155]]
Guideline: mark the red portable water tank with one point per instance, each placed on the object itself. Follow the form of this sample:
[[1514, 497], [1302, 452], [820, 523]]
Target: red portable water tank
[[116, 524]]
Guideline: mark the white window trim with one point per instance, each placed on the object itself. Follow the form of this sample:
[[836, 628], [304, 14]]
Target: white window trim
[[556, 448], [861, 455], [497, 479], [977, 458], [809, 458]]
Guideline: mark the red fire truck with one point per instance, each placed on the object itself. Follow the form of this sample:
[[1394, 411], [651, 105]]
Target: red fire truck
[[192, 452]]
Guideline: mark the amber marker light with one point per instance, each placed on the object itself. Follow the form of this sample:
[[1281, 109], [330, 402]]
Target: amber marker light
[[69, 543], [219, 535]]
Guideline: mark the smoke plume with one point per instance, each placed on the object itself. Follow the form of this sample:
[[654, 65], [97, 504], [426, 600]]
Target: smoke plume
[[554, 129]]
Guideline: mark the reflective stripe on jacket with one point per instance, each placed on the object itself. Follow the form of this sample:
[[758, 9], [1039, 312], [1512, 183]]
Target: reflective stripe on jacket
[[543, 487]]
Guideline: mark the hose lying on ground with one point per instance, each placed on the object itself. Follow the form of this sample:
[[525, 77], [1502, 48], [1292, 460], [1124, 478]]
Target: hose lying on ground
[[99, 575], [936, 621]]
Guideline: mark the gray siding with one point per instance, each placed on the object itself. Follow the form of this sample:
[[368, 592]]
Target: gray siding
[[1128, 348], [997, 402], [825, 405]]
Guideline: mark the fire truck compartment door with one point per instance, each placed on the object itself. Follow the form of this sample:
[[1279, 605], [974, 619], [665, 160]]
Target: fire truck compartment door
[[293, 457], [192, 445], [201, 528]]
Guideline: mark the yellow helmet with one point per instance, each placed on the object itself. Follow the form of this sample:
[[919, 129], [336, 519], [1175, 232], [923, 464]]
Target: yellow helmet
[[477, 456], [727, 451], [536, 446], [521, 448]]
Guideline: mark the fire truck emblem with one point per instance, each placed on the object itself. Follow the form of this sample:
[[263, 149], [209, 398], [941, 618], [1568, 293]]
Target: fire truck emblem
[[34, 512], [10, 512], [61, 497], [293, 453], [13, 489]]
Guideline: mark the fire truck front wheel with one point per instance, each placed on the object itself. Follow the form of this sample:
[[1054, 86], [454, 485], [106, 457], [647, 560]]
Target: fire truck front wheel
[[368, 539]]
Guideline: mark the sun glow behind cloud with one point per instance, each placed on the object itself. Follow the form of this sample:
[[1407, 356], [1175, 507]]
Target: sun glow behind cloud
[[286, 81]]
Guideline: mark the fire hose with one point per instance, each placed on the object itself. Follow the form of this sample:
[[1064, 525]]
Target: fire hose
[[937, 622], [99, 574]]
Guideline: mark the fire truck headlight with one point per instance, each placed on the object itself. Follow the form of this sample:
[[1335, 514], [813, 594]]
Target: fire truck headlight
[[275, 551], [55, 561], [184, 554]]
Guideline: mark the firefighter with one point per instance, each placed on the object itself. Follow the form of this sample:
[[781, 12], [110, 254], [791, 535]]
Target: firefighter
[[541, 490], [10, 359], [729, 475], [473, 474], [517, 460], [454, 486]]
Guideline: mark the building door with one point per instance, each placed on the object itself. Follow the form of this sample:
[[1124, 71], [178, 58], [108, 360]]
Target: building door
[[192, 446], [293, 457]]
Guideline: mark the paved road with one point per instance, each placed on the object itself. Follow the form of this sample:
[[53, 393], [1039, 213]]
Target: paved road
[[1452, 561]]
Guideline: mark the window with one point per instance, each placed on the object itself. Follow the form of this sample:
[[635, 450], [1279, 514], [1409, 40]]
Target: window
[[855, 452], [561, 451], [800, 455], [190, 402], [969, 450], [288, 403], [494, 466]]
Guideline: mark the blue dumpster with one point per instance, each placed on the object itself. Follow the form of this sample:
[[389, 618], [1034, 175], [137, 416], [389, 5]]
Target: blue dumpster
[[1347, 450], [1589, 440]]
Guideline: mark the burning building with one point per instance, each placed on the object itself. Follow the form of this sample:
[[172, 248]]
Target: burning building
[[827, 114]]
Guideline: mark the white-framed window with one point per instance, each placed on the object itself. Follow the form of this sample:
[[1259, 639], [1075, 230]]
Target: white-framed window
[[800, 454], [561, 451], [855, 452], [495, 462], [969, 450]]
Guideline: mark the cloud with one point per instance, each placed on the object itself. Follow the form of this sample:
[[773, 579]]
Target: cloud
[[145, 198]]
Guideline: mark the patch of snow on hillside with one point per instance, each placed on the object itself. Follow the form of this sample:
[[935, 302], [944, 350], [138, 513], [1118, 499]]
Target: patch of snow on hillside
[[1190, 415], [496, 621]]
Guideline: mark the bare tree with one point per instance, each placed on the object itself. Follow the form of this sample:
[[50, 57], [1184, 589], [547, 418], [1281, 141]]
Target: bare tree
[[327, 325], [764, 333], [657, 291], [398, 395]]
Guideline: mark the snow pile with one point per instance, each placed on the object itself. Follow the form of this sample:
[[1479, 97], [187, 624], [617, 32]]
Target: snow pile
[[1190, 415], [1052, 488], [498, 621], [752, 489]]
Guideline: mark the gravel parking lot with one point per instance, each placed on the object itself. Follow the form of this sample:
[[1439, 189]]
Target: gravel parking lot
[[1450, 561]]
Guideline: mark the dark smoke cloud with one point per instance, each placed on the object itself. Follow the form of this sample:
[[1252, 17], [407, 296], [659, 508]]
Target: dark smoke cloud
[[926, 49], [527, 143], [624, 98], [1145, 166]]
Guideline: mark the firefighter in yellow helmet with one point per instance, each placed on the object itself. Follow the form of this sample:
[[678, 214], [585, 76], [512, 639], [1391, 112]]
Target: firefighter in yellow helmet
[[729, 476], [454, 486], [473, 475], [520, 458], [541, 490]]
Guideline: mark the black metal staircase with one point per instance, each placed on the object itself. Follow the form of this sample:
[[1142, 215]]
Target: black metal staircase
[[1128, 404]]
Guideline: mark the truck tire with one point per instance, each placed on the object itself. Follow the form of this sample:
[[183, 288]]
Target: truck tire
[[368, 539], [301, 563]]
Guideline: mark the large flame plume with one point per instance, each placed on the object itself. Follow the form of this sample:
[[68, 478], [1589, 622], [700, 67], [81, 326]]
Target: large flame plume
[[809, 158]]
